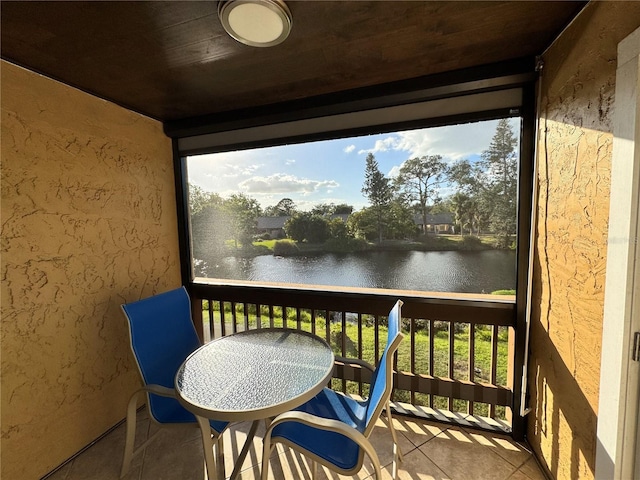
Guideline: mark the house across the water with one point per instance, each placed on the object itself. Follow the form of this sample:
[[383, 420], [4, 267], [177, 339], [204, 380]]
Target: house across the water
[[436, 223], [274, 226]]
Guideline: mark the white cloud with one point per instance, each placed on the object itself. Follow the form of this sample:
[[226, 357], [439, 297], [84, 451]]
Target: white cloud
[[283, 183], [289, 161], [452, 142], [206, 171], [231, 170], [349, 149], [394, 171], [384, 145], [308, 204]]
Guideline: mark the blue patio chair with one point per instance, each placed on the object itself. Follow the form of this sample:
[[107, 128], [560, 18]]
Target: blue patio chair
[[333, 429], [162, 335]]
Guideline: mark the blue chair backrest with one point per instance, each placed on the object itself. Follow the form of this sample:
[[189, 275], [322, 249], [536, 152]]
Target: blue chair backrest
[[382, 378], [162, 336]]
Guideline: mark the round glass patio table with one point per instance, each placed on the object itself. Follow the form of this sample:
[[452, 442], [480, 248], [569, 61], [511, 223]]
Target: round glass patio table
[[254, 374]]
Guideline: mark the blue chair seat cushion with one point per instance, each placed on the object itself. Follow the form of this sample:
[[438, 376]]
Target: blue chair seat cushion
[[333, 447]]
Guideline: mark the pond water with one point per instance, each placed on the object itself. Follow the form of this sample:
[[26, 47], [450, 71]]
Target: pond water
[[451, 271]]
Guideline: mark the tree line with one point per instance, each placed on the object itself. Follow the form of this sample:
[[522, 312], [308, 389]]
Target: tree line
[[484, 201]]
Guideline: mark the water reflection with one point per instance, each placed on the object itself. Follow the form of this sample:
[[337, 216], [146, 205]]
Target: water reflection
[[455, 271]]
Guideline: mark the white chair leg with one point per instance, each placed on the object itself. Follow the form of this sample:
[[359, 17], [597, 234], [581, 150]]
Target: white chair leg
[[130, 435], [219, 446], [207, 446], [396, 446], [376, 467], [267, 449]]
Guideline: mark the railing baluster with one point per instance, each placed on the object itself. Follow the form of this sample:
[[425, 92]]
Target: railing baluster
[[258, 316], [343, 346], [327, 325], [412, 358], [284, 316], [271, 315], [472, 361], [360, 351], [245, 306], [494, 365], [327, 328], [313, 321], [216, 316], [395, 364], [223, 327], [212, 329], [343, 339], [431, 359], [234, 327], [451, 358], [376, 339], [298, 319]]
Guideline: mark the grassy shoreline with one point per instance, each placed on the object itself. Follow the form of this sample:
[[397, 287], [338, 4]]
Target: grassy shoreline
[[286, 247]]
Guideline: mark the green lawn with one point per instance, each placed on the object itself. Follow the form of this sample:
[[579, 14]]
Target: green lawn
[[265, 243], [441, 349]]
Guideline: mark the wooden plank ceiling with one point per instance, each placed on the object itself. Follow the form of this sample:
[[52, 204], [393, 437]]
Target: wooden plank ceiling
[[173, 60]]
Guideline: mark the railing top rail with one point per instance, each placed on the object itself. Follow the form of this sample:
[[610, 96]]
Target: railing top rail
[[480, 309]]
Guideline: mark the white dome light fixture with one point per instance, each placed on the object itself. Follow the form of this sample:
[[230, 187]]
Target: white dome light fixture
[[258, 23]]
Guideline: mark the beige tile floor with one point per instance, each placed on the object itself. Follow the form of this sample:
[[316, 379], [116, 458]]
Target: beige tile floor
[[431, 451]]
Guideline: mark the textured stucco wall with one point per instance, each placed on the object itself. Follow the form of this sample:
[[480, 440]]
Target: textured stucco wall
[[574, 155], [88, 223]]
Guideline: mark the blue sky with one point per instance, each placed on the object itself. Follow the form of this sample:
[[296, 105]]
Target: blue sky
[[332, 171]]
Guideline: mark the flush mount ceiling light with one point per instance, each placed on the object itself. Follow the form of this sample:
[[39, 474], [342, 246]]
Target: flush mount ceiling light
[[259, 23]]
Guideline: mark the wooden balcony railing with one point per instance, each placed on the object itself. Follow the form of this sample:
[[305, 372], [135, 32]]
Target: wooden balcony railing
[[456, 355]]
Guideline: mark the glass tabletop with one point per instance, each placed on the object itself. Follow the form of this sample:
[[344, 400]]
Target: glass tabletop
[[254, 374]]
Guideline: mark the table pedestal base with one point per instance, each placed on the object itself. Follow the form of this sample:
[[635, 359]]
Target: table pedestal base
[[215, 468]]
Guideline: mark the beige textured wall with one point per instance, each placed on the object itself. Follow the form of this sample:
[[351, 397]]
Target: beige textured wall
[[574, 155], [88, 223]]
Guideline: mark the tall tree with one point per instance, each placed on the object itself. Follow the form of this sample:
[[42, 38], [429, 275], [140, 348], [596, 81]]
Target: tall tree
[[338, 228], [418, 181], [309, 227], [400, 223], [461, 206], [363, 224], [500, 161], [470, 213], [200, 198], [208, 238], [284, 208], [474, 197], [241, 213], [323, 209], [378, 191], [209, 233], [343, 208], [492, 184]]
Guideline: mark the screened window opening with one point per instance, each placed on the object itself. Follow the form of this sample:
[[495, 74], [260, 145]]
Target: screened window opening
[[426, 210]]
